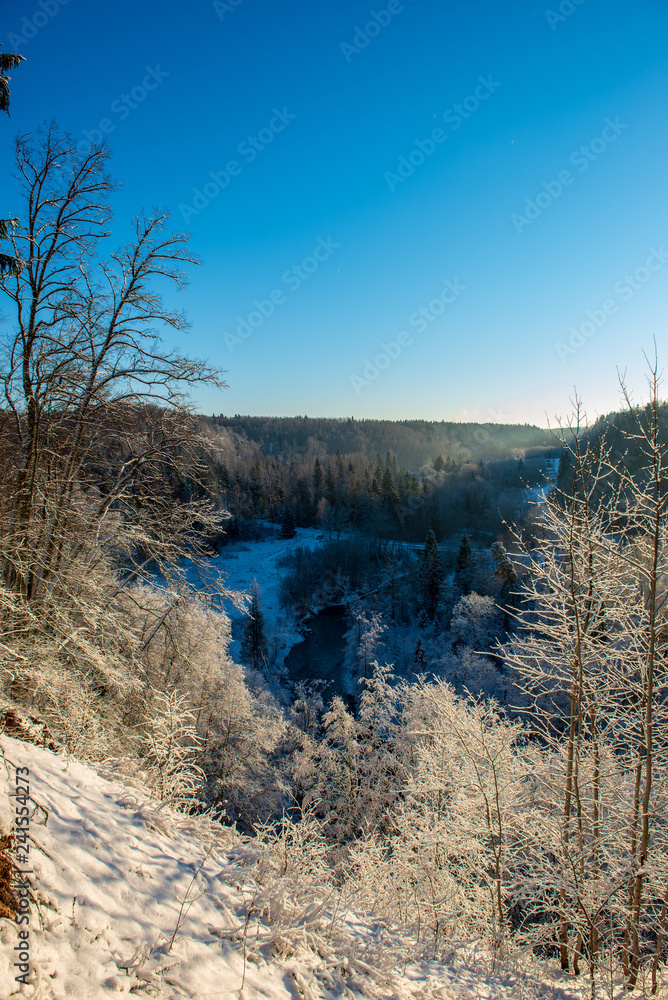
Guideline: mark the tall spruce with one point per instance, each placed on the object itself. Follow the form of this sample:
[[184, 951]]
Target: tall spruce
[[464, 567], [431, 575], [254, 641], [287, 523]]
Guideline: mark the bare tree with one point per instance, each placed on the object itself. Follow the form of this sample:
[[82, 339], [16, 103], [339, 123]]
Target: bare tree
[[100, 447], [645, 502], [590, 644]]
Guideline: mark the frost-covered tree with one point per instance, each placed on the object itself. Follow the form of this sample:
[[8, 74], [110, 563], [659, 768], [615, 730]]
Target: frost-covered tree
[[364, 643], [474, 622], [352, 775], [98, 437], [308, 705], [445, 867], [591, 652], [171, 747]]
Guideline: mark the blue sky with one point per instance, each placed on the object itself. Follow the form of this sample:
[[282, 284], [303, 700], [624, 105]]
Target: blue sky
[[355, 261]]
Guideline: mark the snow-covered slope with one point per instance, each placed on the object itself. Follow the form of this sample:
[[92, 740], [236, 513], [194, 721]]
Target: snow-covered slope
[[110, 873], [133, 899]]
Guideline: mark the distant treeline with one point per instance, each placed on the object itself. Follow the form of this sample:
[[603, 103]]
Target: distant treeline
[[451, 478], [414, 442]]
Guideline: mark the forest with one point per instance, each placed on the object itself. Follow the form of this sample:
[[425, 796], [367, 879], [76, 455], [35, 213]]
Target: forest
[[495, 767], [452, 478]]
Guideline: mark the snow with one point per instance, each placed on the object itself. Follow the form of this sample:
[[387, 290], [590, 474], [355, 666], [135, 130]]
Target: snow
[[116, 877], [110, 874], [109, 877], [242, 562]]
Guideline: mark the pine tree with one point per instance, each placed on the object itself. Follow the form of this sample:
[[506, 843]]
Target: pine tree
[[330, 486], [419, 659], [464, 567], [8, 60], [505, 572], [254, 641], [318, 480], [431, 575], [287, 523], [389, 494]]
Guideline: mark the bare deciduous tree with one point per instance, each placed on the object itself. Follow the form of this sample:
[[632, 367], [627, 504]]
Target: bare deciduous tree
[[102, 461]]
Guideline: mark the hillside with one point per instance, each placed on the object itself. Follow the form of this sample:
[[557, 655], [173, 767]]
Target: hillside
[[132, 899], [414, 442]]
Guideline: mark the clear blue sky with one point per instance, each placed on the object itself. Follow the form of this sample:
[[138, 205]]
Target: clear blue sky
[[321, 120]]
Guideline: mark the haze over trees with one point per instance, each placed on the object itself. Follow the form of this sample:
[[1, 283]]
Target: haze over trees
[[393, 485]]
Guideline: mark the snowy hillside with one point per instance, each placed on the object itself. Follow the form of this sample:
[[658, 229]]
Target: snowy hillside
[[242, 562], [133, 899]]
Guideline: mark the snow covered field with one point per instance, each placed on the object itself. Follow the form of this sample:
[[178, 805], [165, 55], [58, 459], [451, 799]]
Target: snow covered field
[[132, 899], [240, 563]]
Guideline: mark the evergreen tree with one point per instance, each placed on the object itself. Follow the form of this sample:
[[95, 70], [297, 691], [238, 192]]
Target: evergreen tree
[[505, 572], [464, 567], [254, 641], [8, 60], [287, 523], [389, 494], [303, 503], [431, 575], [330, 486], [439, 464], [318, 480], [564, 470], [419, 660]]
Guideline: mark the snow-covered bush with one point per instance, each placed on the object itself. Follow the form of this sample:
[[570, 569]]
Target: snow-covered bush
[[474, 622], [445, 867], [171, 747], [351, 776], [238, 725]]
